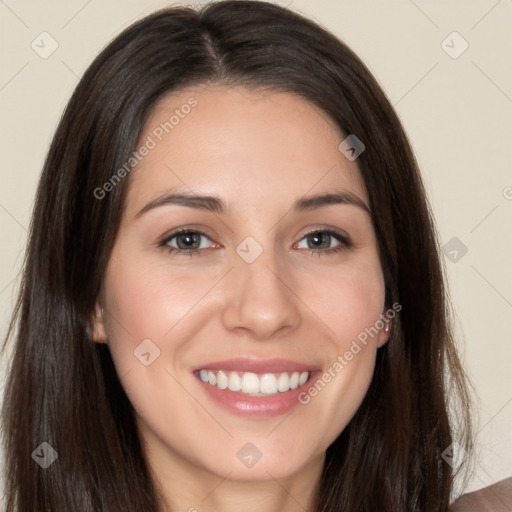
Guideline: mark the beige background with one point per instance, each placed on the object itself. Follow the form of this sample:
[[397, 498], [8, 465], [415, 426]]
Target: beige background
[[457, 112]]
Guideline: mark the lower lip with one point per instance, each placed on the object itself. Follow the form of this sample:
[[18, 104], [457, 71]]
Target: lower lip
[[261, 406]]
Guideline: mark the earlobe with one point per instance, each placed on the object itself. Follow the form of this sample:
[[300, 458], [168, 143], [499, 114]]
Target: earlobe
[[98, 332], [385, 332]]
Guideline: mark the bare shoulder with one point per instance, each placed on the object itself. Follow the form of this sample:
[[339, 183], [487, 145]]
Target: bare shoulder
[[495, 498]]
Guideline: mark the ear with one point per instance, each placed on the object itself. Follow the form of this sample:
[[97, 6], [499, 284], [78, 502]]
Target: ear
[[385, 332], [98, 332]]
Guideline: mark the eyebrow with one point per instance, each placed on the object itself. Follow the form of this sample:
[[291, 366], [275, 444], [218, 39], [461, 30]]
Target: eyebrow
[[217, 205]]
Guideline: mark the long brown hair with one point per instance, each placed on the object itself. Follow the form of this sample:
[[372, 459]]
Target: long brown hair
[[63, 389]]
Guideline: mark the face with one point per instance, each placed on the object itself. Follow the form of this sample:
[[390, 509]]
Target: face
[[243, 296]]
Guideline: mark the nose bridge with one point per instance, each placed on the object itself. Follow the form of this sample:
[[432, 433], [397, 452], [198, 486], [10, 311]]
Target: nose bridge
[[260, 299]]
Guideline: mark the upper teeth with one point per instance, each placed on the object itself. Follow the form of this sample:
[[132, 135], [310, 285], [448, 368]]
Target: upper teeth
[[252, 383]]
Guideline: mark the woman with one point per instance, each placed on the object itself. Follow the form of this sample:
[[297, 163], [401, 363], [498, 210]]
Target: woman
[[232, 296]]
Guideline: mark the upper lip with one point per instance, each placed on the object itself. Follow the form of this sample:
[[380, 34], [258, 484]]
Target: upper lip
[[243, 364]]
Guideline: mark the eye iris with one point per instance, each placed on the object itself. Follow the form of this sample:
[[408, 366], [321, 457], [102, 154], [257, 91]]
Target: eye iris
[[188, 240], [320, 240]]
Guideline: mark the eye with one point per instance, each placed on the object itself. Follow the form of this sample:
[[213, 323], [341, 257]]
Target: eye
[[324, 241], [186, 241], [189, 242]]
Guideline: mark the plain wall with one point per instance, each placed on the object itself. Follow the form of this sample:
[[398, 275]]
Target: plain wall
[[457, 111]]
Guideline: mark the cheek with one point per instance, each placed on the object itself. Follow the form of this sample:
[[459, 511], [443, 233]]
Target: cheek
[[150, 302], [347, 300], [350, 309], [151, 326]]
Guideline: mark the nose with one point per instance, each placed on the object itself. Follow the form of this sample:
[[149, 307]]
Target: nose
[[261, 300]]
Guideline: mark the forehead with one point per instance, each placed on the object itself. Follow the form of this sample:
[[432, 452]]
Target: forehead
[[249, 146]]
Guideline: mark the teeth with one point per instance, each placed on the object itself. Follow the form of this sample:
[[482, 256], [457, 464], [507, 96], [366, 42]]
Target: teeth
[[250, 383], [222, 380], [253, 384], [234, 382], [268, 384], [303, 378], [283, 382]]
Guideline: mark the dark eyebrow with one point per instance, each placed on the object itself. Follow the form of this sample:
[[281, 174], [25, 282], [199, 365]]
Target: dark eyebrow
[[217, 205], [341, 197], [208, 203]]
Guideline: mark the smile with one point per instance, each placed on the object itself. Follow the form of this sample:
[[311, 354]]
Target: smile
[[254, 384]]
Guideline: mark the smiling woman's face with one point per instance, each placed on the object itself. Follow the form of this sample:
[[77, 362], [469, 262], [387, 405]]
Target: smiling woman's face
[[265, 283]]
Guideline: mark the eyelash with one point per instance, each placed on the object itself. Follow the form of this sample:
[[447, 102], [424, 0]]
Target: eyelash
[[344, 242]]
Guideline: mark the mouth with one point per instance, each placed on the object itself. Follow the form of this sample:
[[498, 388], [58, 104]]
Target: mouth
[[255, 387], [254, 384]]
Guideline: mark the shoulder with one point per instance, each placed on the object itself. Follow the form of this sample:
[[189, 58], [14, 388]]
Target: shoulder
[[495, 498]]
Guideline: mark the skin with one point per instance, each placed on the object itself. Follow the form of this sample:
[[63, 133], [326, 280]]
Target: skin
[[495, 498], [289, 303]]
